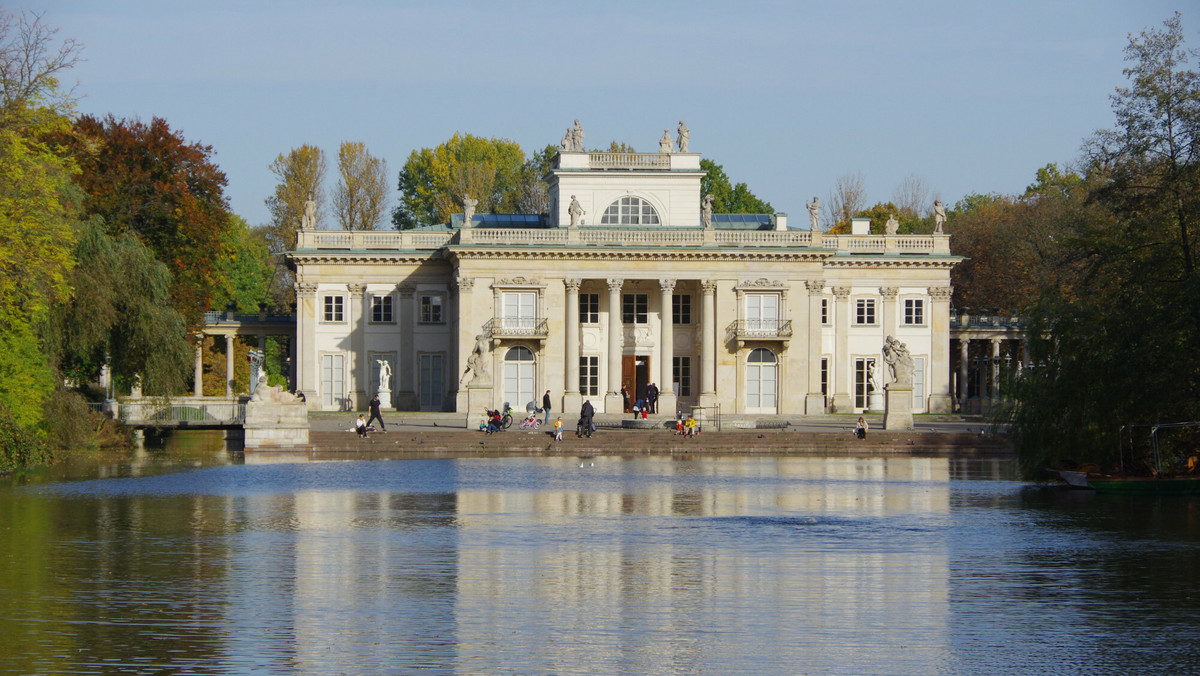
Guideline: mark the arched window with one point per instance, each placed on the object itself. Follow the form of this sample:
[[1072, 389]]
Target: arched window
[[519, 373], [630, 211], [762, 377]]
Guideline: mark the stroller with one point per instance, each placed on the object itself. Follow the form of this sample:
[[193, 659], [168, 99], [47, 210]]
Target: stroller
[[584, 427]]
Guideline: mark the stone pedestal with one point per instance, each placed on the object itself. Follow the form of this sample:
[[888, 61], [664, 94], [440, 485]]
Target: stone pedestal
[[814, 404], [385, 400], [275, 420], [897, 411], [478, 401], [875, 402]]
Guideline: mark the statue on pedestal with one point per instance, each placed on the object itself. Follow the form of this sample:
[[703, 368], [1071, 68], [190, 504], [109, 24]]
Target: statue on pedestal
[[468, 210], [309, 220], [664, 143], [476, 374], [385, 375], [900, 364], [685, 135], [892, 226], [939, 217], [575, 210], [706, 211], [814, 214]]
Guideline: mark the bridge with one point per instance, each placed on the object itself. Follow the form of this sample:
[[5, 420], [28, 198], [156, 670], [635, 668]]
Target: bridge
[[181, 412]]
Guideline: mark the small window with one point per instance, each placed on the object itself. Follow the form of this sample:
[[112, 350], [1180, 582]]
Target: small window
[[681, 368], [864, 311], [431, 310], [634, 308], [333, 308], [914, 311], [629, 211], [589, 308], [824, 312], [589, 376], [381, 309], [681, 309]]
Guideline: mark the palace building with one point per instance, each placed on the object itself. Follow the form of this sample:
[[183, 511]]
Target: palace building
[[629, 280]]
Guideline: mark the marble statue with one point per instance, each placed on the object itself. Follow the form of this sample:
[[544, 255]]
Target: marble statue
[[939, 217], [892, 225], [468, 210], [575, 211], [577, 137], [873, 376], [814, 214], [476, 373], [900, 363], [706, 211], [568, 142], [685, 135], [665, 145], [385, 374], [309, 220]]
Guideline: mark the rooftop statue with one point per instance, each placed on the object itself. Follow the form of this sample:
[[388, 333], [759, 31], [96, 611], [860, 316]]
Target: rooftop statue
[[685, 135], [468, 210], [309, 220], [568, 140], [577, 137], [892, 226], [814, 213], [664, 144], [706, 210], [939, 217], [575, 211]]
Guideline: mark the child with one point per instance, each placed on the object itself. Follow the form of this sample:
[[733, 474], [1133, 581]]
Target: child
[[558, 429], [679, 426], [690, 426]]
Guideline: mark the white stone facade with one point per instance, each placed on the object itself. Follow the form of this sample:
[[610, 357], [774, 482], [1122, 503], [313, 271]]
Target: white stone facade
[[741, 315]]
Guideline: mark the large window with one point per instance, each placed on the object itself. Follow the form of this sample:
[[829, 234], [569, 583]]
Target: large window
[[333, 308], [762, 311], [589, 376], [634, 308], [589, 308], [864, 311], [681, 367], [914, 311], [629, 211], [518, 377], [381, 309], [520, 310], [333, 382], [431, 310], [681, 309]]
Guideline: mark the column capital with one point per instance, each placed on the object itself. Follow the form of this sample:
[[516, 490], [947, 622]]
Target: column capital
[[572, 284], [666, 285], [841, 292], [305, 290], [889, 292], [614, 285], [356, 288], [941, 293], [464, 283], [709, 287], [815, 287]]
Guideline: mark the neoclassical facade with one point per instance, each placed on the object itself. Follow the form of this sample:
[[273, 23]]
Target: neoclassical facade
[[628, 281]]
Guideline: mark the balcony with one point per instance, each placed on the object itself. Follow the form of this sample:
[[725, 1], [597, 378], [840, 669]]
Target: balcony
[[745, 330], [528, 328]]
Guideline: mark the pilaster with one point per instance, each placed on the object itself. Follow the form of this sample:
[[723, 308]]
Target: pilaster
[[940, 400], [841, 370], [814, 403]]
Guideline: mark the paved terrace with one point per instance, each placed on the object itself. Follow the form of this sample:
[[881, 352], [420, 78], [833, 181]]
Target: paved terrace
[[332, 435]]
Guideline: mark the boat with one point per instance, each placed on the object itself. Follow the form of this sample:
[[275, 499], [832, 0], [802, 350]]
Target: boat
[[1072, 478], [1188, 485]]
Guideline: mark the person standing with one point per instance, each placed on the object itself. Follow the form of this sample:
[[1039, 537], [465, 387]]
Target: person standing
[[652, 398], [586, 413], [546, 405], [558, 428], [375, 415], [625, 399]]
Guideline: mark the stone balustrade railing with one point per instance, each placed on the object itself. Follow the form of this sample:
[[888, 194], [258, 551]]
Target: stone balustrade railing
[[417, 240]]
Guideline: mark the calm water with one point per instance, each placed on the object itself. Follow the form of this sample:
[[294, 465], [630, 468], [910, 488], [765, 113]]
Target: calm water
[[187, 562]]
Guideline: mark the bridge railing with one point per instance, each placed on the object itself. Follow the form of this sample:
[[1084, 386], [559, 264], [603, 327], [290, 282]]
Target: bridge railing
[[183, 412]]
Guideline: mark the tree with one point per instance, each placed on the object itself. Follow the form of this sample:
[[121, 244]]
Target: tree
[[246, 272], [360, 198], [120, 313], [301, 175], [849, 196], [147, 180], [433, 180], [729, 198], [532, 195], [912, 197], [1120, 347], [31, 60]]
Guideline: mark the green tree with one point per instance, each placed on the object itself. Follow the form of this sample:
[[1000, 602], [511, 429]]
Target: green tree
[[360, 197], [301, 174], [147, 180], [1120, 347], [434, 180], [245, 273], [729, 198]]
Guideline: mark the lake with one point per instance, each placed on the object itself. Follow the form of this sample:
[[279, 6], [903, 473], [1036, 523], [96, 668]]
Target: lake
[[191, 560]]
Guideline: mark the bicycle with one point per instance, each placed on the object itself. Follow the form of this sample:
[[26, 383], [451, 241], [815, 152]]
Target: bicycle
[[531, 423], [506, 419]]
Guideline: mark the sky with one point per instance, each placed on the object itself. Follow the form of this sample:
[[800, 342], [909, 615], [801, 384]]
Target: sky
[[787, 96]]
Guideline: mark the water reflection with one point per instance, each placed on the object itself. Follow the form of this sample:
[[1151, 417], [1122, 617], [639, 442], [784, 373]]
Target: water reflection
[[589, 565]]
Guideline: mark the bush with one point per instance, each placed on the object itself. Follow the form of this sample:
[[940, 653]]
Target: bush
[[19, 447], [70, 423]]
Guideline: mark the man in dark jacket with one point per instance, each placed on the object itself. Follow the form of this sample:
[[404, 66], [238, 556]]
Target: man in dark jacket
[[374, 407], [586, 414], [546, 405]]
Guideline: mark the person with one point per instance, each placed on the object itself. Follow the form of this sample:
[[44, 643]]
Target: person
[[652, 398], [689, 426], [495, 422], [625, 398], [685, 135], [860, 430], [679, 426], [558, 428], [638, 407], [586, 413], [374, 408], [546, 406], [814, 214], [939, 217], [360, 426]]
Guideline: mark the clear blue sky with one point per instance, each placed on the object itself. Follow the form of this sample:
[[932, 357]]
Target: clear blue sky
[[787, 96]]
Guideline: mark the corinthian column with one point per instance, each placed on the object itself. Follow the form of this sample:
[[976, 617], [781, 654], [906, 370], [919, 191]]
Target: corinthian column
[[612, 400], [571, 399], [841, 370], [306, 344], [666, 351], [708, 345], [814, 403]]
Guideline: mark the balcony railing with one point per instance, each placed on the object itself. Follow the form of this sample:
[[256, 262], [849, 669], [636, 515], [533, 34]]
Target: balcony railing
[[629, 160], [744, 330], [517, 327]]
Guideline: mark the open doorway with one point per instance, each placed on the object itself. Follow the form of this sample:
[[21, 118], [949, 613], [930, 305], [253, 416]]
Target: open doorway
[[635, 375]]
